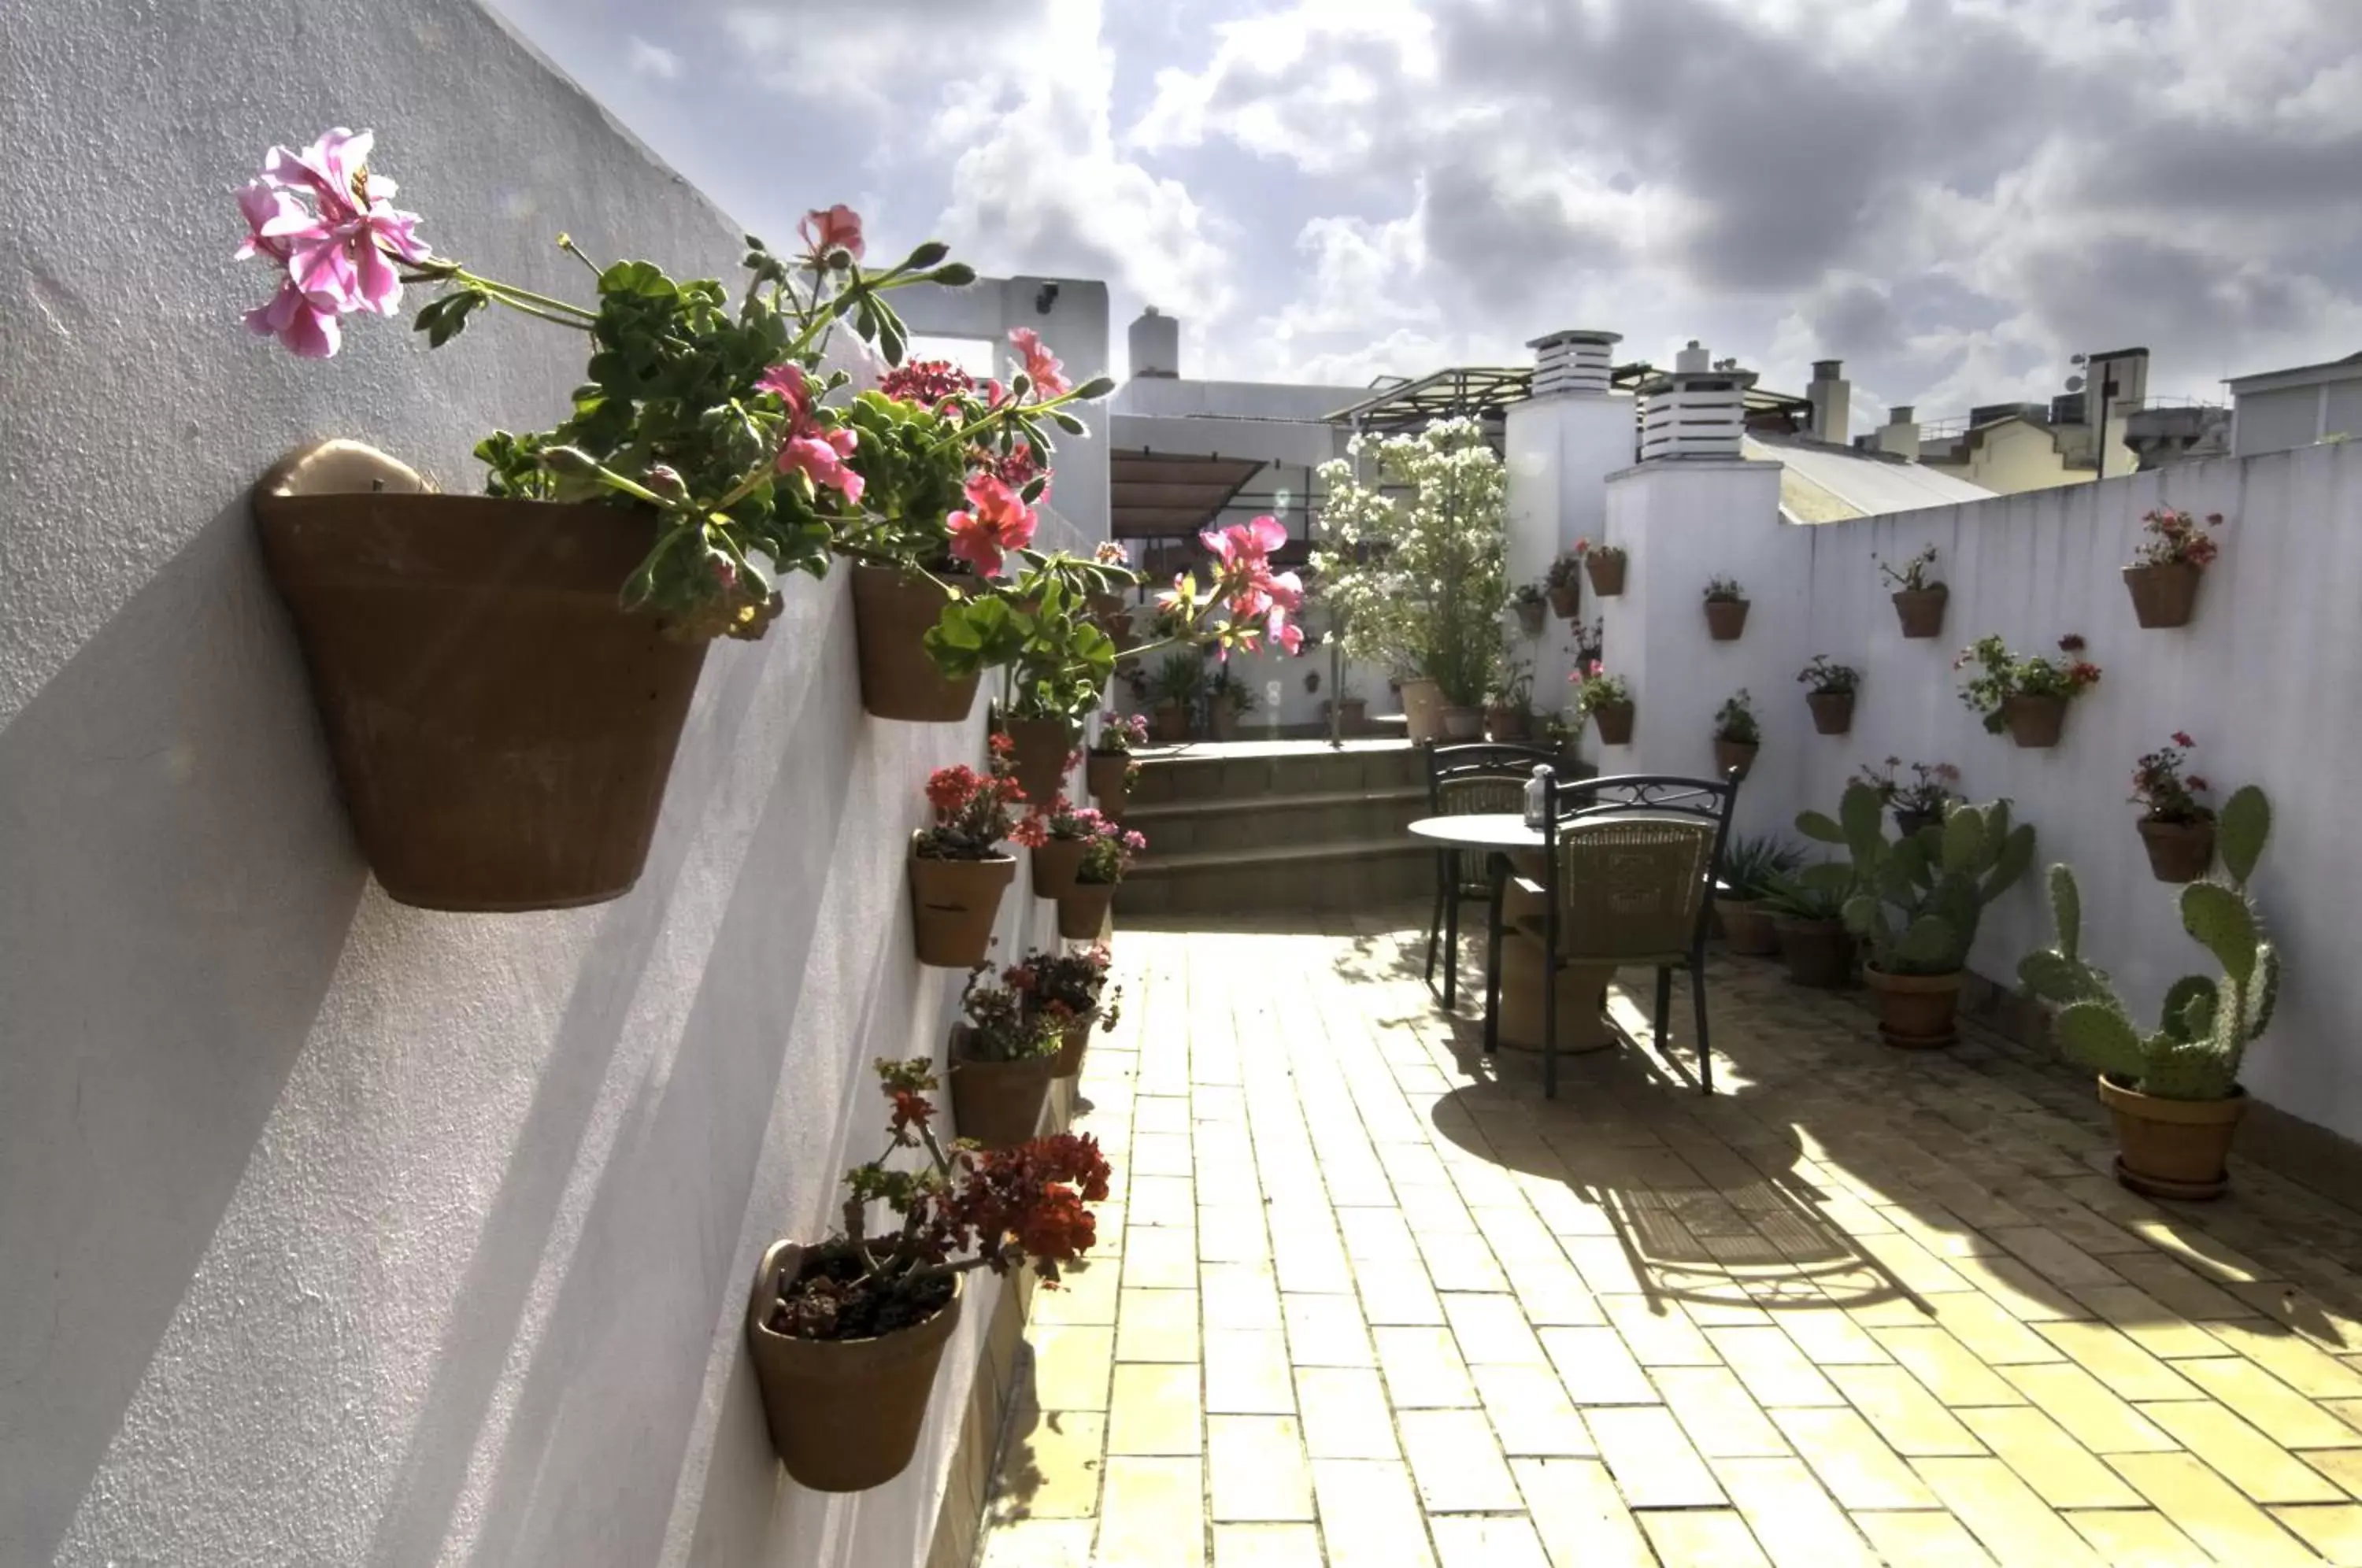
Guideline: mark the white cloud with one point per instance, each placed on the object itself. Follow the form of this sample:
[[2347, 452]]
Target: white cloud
[[651, 59]]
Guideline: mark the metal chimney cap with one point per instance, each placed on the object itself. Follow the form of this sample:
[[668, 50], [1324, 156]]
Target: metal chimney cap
[[1827, 369]]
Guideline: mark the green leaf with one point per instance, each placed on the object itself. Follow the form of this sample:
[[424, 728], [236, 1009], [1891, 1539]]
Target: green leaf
[[2224, 924], [2245, 823], [1820, 827], [1929, 947], [2097, 1035], [1863, 815], [2189, 1004], [1964, 839]]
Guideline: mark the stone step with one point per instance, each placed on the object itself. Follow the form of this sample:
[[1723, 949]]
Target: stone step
[[1248, 770], [1343, 874], [1271, 822]]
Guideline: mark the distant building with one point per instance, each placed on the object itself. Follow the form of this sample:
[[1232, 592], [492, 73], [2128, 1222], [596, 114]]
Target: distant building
[[2279, 410]]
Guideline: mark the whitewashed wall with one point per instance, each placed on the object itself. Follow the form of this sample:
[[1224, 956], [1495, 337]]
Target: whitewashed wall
[[336, 1231], [2263, 678]]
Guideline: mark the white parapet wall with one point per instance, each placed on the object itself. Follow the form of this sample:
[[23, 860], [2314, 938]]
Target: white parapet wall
[[2262, 680], [339, 1232]]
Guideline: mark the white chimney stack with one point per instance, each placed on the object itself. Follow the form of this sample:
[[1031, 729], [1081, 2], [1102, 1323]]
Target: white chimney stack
[[1694, 411], [1899, 436], [1578, 362], [1831, 396], [1156, 345]]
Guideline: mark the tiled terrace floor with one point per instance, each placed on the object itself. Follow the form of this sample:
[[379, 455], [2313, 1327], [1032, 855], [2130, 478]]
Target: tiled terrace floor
[[1361, 1301]]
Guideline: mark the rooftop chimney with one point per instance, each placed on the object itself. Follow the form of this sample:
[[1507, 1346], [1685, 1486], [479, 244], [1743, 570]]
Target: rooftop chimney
[[1831, 396], [1900, 434], [1694, 411], [1156, 345], [1577, 361]]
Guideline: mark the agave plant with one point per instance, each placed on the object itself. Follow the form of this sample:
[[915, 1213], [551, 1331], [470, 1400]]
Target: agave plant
[[1918, 900], [1752, 862], [2207, 1024]]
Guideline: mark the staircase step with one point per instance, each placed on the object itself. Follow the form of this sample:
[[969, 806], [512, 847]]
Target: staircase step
[[1344, 874], [1226, 805], [1247, 771]]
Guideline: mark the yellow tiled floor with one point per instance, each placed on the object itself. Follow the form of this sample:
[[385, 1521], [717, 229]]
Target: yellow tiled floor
[[1364, 1298]]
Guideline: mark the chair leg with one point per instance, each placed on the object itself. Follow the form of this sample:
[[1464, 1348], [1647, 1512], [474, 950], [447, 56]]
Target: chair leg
[[1704, 1047], [1496, 870], [1451, 939], [1550, 1026], [1435, 919], [1665, 1002]]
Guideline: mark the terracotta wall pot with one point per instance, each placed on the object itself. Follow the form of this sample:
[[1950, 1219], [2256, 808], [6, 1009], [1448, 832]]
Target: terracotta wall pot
[[1746, 927], [1606, 574], [1726, 619], [953, 904], [844, 1414], [1566, 601], [1055, 865], [1355, 719], [1039, 749], [501, 730], [1908, 824], [1108, 779], [1921, 610], [2172, 1148], [1614, 723], [1730, 754], [1171, 721], [2034, 722], [998, 1104], [892, 612], [1533, 618], [1508, 723], [1915, 1011], [1224, 720], [1422, 708], [1082, 913], [2177, 852], [1832, 712], [1068, 1062], [1819, 953], [1108, 610], [1463, 724], [2163, 595]]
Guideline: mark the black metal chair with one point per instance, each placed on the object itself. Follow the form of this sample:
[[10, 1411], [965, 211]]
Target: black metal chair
[[1628, 872], [1469, 780]]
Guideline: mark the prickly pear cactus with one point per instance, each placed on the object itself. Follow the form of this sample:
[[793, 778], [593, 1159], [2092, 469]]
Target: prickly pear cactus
[[2205, 1025], [1918, 902]]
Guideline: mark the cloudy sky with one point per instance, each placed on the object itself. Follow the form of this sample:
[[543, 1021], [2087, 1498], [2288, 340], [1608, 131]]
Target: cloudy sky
[[1952, 195]]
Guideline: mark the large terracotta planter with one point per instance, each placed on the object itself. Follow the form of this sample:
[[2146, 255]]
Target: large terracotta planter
[[1533, 618], [2172, 1148], [844, 1414], [1915, 1011], [1747, 928], [2177, 852], [1463, 724], [892, 612], [1606, 572], [2034, 722], [2164, 595], [1038, 753], [1068, 1062], [1422, 708], [1726, 619], [1170, 722], [1613, 721], [1055, 865], [1223, 720], [502, 729], [1566, 601], [1832, 712], [1921, 610], [1819, 953], [1082, 913], [998, 1104], [1108, 775], [1732, 756], [953, 904], [1506, 723]]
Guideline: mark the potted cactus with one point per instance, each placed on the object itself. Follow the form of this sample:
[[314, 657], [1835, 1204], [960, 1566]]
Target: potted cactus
[[2173, 1091], [1917, 903], [1738, 734], [1918, 604], [1725, 609], [1828, 692]]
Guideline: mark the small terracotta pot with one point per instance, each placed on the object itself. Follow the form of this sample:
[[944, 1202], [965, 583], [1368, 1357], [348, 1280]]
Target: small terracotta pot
[[1606, 572], [1832, 712], [1463, 724], [2177, 852], [1922, 610], [1355, 717], [2034, 722], [892, 612], [1532, 618], [953, 904], [998, 1104], [1082, 913], [1506, 723], [1747, 928], [2164, 595], [1909, 824], [1224, 720], [1614, 723], [1819, 953], [1040, 749], [844, 1414], [1726, 619], [1730, 754], [1422, 708], [1171, 721], [1068, 1062], [1055, 865], [1915, 1011], [2172, 1148], [1566, 601], [1108, 777]]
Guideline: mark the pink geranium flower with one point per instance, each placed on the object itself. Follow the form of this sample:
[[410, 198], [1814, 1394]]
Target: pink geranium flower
[[341, 252], [830, 229], [816, 451], [996, 520], [308, 331], [1049, 377]]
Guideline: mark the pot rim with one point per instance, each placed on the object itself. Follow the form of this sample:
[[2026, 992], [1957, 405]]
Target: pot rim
[[1811, 927], [759, 1298], [2205, 1112], [956, 859], [1917, 984]]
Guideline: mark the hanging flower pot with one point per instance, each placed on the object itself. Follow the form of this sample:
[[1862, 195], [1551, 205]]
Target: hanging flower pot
[[1606, 570], [1911, 824], [1039, 757], [1921, 610], [1533, 615], [1726, 619], [1108, 775], [892, 612], [1832, 712], [1113, 616], [1915, 1011], [844, 1414], [1422, 708], [2035, 723], [998, 1104], [1068, 1062], [2177, 852], [502, 729], [2172, 1148], [2164, 595], [1731, 755], [1083, 911], [1566, 599], [954, 904], [1055, 864], [1614, 723]]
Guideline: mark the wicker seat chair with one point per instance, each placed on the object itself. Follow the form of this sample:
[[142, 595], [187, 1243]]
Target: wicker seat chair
[[1628, 867], [1473, 780]]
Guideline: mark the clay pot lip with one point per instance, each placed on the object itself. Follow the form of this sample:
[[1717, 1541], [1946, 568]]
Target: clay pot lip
[[2176, 828], [2123, 1097], [1022, 1067], [956, 859], [1933, 590], [1879, 980], [2162, 568], [759, 1300], [1811, 927]]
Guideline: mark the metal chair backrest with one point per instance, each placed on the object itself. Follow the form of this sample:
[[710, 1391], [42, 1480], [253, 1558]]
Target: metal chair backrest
[[1481, 777], [1631, 860]]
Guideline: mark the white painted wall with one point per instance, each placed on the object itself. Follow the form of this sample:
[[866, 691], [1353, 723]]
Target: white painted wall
[[339, 1231], [1559, 451], [2260, 679]]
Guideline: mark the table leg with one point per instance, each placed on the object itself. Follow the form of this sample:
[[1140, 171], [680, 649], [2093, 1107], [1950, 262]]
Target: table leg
[[1451, 930], [1497, 877]]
